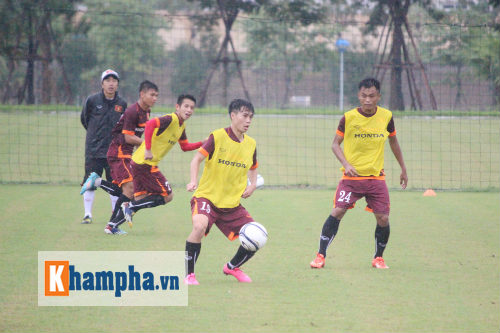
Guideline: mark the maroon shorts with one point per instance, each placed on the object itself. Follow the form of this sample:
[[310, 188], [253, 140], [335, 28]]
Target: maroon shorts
[[120, 170], [149, 180], [228, 220], [374, 190]]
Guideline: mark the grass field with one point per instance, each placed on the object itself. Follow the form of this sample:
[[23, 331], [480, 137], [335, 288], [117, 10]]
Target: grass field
[[443, 255], [459, 153]]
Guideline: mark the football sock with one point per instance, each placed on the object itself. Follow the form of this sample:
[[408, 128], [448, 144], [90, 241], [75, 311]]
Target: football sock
[[88, 202], [118, 205], [381, 239], [97, 182], [113, 202], [118, 220], [109, 187], [192, 253], [241, 257], [147, 202], [328, 233], [118, 217]]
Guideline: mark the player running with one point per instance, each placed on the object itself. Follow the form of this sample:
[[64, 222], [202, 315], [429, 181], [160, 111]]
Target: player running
[[231, 157], [127, 134], [151, 188]]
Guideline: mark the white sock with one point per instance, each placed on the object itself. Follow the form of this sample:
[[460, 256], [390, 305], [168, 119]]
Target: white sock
[[113, 202], [97, 182], [88, 202]]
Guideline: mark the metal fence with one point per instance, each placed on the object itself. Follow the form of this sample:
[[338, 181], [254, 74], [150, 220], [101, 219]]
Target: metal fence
[[294, 86]]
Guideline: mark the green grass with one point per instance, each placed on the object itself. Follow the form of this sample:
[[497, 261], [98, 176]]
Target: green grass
[[443, 256], [459, 153]]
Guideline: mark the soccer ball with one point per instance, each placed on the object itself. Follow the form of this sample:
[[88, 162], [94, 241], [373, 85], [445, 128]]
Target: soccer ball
[[260, 181], [253, 236]]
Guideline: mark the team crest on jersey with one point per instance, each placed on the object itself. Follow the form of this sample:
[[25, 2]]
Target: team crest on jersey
[[118, 108]]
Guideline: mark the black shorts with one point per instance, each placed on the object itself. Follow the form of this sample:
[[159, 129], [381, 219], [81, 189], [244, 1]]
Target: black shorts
[[97, 165]]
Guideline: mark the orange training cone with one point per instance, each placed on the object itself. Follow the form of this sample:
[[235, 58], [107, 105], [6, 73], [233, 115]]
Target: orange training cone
[[429, 193]]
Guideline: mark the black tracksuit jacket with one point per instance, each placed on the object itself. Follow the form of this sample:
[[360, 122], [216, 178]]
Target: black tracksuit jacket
[[99, 116]]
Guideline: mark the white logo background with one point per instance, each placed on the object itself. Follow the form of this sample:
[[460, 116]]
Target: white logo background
[[160, 263]]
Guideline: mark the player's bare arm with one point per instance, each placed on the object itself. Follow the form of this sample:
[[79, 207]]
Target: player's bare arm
[[195, 167], [337, 150], [396, 150], [252, 175], [148, 155], [133, 140]]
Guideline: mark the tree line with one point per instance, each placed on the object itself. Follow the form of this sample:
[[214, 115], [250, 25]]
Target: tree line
[[61, 45]]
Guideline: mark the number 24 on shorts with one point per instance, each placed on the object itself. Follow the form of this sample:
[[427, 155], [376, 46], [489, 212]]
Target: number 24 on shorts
[[344, 197]]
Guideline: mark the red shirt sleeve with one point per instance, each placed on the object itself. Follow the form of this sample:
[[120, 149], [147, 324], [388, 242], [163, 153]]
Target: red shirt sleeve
[[148, 131], [130, 121], [186, 145]]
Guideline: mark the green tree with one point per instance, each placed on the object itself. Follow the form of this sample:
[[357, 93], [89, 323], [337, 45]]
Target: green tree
[[457, 40], [285, 33], [190, 67], [28, 34], [396, 13], [435, 35], [226, 11], [79, 57], [356, 67], [496, 4], [484, 57], [124, 36], [11, 52]]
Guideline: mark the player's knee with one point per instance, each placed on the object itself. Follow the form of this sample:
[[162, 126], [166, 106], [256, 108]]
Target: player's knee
[[382, 219], [200, 227], [200, 223], [338, 212], [128, 190]]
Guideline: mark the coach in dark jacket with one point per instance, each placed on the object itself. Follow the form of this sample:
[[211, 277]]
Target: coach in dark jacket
[[100, 113]]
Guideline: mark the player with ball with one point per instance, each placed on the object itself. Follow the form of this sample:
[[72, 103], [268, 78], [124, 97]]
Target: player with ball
[[231, 158]]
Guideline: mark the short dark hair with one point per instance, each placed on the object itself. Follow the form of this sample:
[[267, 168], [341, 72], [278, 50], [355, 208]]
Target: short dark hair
[[182, 97], [237, 104], [369, 82], [147, 85]]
